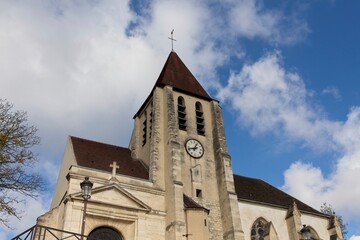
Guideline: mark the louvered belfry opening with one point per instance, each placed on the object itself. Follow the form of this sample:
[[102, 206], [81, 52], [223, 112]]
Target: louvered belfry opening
[[181, 113], [144, 130], [200, 123], [150, 122]]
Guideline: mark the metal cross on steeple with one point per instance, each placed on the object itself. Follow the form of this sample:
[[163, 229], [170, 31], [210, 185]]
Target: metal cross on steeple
[[172, 40]]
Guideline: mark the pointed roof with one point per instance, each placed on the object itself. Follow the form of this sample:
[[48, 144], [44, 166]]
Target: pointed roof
[[177, 75]]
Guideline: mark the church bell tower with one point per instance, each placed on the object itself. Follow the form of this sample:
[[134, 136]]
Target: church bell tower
[[179, 134]]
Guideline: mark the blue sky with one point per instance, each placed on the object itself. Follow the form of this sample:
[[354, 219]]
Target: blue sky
[[286, 74]]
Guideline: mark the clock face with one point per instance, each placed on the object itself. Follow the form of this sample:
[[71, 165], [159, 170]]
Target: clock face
[[194, 148]]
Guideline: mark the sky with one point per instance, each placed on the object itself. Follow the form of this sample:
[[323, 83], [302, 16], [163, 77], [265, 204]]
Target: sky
[[286, 74]]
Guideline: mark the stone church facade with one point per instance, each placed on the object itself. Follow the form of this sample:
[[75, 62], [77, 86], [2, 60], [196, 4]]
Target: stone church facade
[[175, 180]]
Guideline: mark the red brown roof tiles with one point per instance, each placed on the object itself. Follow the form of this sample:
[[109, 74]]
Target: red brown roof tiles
[[256, 190], [99, 156], [177, 75]]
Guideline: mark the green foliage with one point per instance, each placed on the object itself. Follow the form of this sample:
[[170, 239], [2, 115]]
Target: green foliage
[[16, 159], [329, 210]]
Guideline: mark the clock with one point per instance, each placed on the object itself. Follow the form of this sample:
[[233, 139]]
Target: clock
[[194, 148]]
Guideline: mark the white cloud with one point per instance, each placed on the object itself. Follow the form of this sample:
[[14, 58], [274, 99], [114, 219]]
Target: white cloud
[[195, 34], [308, 180], [270, 99], [332, 91], [250, 19], [62, 75], [354, 237]]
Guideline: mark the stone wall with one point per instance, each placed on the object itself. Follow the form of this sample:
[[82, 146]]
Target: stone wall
[[277, 216]]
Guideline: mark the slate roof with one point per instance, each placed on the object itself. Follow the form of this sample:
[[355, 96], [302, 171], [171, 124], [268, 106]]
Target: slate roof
[[99, 156], [256, 190], [178, 76], [191, 204]]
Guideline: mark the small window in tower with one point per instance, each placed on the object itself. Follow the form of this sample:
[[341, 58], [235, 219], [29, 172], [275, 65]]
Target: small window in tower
[[144, 131], [205, 222], [198, 193], [181, 113], [150, 123], [200, 123]]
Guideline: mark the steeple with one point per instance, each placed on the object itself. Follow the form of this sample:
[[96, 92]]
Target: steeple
[[177, 75]]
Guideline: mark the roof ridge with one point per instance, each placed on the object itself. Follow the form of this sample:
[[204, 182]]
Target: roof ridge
[[95, 141], [248, 177]]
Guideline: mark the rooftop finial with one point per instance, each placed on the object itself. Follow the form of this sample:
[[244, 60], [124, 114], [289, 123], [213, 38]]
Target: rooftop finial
[[172, 40]]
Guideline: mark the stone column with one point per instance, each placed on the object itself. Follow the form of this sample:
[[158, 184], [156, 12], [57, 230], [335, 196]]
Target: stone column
[[156, 165], [293, 222], [334, 228], [175, 224], [230, 214]]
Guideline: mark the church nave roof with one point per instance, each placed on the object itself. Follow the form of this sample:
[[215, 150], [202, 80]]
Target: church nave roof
[[99, 156]]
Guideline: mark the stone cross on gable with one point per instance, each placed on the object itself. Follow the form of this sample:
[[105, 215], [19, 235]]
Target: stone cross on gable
[[114, 167]]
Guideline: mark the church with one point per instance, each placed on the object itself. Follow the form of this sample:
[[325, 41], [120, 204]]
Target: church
[[174, 181]]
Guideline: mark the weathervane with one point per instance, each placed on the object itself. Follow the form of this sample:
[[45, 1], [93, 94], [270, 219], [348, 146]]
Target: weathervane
[[172, 40]]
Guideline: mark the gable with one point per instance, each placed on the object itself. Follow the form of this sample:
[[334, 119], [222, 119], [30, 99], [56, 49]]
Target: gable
[[117, 196]]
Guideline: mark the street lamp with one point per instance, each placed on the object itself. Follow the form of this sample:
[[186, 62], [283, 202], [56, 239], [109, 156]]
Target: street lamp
[[305, 232], [86, 187]]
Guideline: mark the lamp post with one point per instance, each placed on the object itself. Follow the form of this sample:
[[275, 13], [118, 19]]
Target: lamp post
[[305, 232], [86, 187]]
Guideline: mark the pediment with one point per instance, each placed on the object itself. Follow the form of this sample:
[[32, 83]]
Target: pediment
[[117, 196]]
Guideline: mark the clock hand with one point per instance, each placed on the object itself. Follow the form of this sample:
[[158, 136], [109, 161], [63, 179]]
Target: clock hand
[[193, 148]]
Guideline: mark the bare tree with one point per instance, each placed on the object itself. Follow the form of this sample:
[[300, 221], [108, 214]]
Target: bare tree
[[329, 210], [17, 138]]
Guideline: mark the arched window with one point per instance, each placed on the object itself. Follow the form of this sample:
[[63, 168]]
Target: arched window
[[259, 229], [313, 233], [200, 123], [181, 113], [104, 233]]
